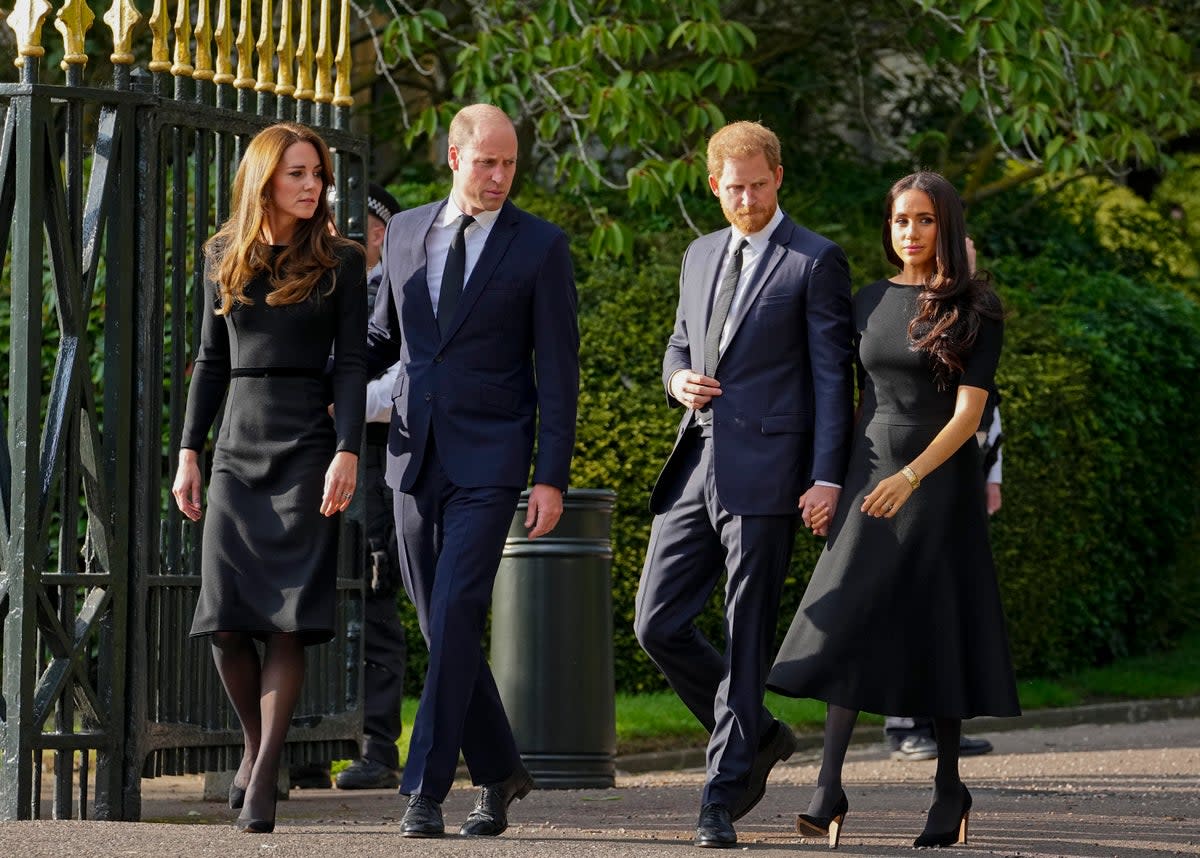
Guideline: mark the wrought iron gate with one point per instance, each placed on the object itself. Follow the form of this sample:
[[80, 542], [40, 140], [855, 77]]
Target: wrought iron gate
[[106, 196]]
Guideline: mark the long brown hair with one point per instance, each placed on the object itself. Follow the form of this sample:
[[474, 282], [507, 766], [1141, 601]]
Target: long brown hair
[[237, 251], [953, 299]]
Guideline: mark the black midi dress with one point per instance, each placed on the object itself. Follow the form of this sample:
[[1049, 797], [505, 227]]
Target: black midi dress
[[269, 557], [902, 616]]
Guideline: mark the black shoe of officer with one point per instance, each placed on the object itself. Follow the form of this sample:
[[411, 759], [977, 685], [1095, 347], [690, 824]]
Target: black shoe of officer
[[367, 774], [310, 776]]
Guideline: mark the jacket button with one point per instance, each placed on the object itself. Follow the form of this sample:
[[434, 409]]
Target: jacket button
[[439, 358], [428, 397]]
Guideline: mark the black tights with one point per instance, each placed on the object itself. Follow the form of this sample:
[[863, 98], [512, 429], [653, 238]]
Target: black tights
[[264, 696], [839, 725]]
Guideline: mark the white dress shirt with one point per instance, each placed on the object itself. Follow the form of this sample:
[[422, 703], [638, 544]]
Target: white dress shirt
[[379, 389], [437, 245]]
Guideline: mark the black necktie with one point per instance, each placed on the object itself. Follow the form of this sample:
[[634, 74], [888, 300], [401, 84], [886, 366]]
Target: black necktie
[[452, 275], [720, 312], [373, 282]]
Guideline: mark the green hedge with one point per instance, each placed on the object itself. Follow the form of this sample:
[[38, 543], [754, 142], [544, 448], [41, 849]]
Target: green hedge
[[1099, 378]]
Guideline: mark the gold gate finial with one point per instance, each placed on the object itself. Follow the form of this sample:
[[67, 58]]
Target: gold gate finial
[[342, 95], [204, 34], [26, 19], [182, 66], [324, 57], [122, 17], [160, 56], [74, 19], [304, 49], [224, 39], [245, 49], [266, 74], [285, 50]]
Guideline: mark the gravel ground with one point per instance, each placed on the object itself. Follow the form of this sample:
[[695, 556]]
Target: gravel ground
[[1087, 790]]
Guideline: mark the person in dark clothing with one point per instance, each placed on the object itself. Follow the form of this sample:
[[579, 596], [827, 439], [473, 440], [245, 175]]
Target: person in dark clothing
[[281, 291]]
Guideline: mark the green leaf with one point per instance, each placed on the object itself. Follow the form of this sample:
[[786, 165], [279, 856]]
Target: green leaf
[[1052, 147], [970, 99]]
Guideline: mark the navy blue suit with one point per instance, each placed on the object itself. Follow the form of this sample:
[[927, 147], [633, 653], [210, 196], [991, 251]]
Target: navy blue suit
[[726, 500], [467, 408]]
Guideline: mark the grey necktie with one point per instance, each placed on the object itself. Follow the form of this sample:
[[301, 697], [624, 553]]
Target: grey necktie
[[452, 275], [720, 312]]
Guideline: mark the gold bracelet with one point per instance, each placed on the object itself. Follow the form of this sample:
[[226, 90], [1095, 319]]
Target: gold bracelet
[[911, 476]]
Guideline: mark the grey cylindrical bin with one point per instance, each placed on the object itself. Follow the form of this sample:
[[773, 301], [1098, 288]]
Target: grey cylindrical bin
[[552, 652]]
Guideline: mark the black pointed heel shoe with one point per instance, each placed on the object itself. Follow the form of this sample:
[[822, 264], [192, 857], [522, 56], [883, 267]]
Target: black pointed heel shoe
[[256, 826], [237, 797], [808, 825], [957, 834], [249, 825]]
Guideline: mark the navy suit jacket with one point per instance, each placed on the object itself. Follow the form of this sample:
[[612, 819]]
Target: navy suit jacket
[[507, 370], [785, 413]]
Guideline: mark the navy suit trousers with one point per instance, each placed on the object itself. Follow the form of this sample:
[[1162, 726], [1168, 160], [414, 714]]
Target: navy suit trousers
[[451, 539], [691, 545]]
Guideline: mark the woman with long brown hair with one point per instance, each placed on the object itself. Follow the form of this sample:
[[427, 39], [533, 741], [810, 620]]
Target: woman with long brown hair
[[282, 290], [902, 615]]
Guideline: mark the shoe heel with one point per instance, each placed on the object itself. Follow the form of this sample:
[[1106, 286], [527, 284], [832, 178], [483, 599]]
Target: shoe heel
[[835, 830], [524, 790], [962, 828]]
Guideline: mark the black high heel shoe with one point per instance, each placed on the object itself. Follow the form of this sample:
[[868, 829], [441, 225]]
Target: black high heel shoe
[[237, 797], [808, 825], [259, 826], [957, 834]]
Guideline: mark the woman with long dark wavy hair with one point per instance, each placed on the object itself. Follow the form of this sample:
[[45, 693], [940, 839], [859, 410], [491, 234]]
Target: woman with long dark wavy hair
[[282, 290], [902, 615]]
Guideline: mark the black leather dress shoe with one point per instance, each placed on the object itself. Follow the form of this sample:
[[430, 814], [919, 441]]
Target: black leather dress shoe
[[715, 828], [367, 774], [490, 816], [778, 744], [423, 818]]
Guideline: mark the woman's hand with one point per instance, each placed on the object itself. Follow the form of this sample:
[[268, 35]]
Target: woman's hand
[[340, 480], [188, 482], [885, 499]]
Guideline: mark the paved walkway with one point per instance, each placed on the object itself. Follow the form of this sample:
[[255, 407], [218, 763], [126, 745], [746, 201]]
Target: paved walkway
[[1088, 790]]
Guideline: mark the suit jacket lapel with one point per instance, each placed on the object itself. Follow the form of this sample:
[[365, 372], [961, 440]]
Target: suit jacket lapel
[[762, 275], [418, 287], [702, 291], [503, 231]]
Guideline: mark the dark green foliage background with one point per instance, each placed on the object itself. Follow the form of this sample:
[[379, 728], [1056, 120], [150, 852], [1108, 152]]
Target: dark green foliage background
[[1094, 542]]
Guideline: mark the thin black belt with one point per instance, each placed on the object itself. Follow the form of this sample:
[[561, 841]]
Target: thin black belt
[[276, 372], [377, 433]]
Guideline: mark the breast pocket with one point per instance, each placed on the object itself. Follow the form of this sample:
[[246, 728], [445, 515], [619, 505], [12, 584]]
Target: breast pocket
[[498, 306], [776, 320]]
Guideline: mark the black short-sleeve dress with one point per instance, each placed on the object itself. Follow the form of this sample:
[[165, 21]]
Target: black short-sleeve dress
[[902, 616], [269, 557]]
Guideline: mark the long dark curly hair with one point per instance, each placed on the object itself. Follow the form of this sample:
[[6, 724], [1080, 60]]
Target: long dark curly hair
[[953, 298]]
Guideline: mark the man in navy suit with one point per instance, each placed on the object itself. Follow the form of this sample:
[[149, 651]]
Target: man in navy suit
[[761, 358], [478, 304]]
